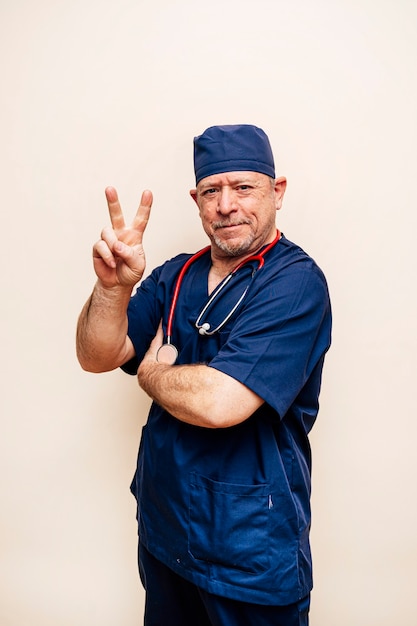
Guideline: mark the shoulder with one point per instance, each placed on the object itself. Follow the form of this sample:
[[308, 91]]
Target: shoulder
[[163, 276], [293, 266], [290, 253], [176, 263], [169, 268]]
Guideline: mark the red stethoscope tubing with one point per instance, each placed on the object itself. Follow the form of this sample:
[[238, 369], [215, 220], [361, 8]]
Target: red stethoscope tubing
[[177, 288], [255, 257]]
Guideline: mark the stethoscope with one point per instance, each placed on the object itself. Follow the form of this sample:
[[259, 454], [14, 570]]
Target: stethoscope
[[168, 353]]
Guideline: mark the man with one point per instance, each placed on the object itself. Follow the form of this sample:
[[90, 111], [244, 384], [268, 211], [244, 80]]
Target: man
[[223, 475]]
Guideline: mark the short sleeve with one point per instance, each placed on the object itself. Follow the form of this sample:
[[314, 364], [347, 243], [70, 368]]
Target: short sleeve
[[280, 336]]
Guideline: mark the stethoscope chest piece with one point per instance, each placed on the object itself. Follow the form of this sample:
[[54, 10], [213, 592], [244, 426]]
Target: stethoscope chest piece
[[167, 354]]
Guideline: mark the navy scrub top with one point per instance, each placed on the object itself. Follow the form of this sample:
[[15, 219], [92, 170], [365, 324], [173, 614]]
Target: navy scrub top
[[229, 509]]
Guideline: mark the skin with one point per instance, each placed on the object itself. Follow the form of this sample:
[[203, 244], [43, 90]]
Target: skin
[[237, 211]]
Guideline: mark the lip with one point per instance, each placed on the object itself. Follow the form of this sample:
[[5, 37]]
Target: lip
[[229, 226]]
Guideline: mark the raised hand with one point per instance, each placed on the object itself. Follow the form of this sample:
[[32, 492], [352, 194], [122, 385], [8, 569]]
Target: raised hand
[[119, 257]]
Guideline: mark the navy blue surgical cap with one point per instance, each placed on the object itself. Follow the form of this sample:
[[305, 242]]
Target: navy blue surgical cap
[[234, 148]]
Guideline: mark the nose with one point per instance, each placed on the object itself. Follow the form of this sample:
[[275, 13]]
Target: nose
[[226, 201]]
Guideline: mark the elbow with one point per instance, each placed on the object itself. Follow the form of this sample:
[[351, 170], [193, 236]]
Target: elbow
[[221, 417], [229, 413], [92, 365], [219, 422], [92, 368]]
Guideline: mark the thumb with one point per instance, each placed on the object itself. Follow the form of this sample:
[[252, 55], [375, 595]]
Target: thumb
[[132, 256]]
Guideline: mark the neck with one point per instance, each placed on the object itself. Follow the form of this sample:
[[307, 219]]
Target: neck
[[216, 275]]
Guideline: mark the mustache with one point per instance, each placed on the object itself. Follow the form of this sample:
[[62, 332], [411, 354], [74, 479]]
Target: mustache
[[227, 223]]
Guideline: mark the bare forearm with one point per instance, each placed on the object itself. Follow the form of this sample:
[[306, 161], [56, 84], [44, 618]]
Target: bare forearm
[[102, 329], [197, 394]]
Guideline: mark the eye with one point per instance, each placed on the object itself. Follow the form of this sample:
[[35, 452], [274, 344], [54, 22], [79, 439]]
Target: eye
[[210, 191]]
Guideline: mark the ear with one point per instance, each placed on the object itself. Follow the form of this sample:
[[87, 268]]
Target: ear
[[279, 190], [193, 194]]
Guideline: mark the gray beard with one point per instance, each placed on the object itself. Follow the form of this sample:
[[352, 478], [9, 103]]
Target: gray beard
[[233, 250], [225, 246]]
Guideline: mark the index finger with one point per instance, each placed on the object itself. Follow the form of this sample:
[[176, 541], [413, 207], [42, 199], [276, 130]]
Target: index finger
[[115, 210], [141, 218]]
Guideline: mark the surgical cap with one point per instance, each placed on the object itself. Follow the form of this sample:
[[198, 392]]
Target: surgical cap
[[234, 148]]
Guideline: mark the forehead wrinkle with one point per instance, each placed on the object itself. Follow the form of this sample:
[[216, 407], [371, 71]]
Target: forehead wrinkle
[[237, 178]]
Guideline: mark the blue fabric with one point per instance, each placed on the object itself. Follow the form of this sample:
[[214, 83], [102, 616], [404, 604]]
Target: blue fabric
[[173, 601], [229, 509], [233, 148]]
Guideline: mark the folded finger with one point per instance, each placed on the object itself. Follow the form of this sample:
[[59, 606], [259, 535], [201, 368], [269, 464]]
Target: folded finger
[[102, 251]]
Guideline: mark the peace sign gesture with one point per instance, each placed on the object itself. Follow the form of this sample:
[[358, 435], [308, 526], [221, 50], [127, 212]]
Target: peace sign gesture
[[118, 257]]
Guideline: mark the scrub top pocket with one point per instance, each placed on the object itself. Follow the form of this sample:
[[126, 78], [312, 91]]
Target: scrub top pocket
[[229, 524]]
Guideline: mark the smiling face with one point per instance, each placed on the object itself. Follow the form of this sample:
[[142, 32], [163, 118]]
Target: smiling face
[[237, 211]]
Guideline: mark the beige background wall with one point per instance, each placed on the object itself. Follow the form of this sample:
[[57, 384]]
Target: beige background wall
[[94, 93]]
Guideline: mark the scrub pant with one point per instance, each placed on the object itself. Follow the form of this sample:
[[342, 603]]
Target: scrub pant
[[173, 601]]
